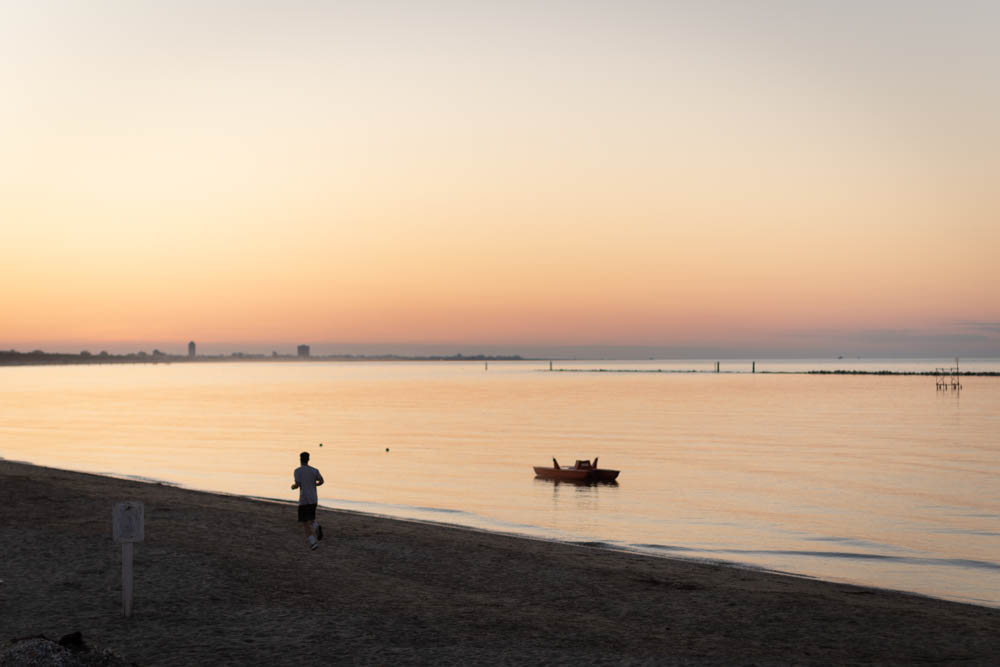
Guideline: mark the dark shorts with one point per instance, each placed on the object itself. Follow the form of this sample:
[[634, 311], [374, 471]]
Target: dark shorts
[[307, 512]]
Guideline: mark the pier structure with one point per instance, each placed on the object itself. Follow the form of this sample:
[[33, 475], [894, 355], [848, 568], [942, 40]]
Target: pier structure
[[948, 378]]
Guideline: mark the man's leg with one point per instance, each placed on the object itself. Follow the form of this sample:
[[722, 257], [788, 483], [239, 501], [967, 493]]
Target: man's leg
[[312, 526], [307, 514]]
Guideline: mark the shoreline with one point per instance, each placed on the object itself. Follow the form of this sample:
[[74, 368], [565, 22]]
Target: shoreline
[[228, 580], [595, 543]]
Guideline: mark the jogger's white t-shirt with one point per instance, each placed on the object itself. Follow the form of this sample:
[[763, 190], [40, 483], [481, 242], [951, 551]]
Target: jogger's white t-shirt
[[306, 477]]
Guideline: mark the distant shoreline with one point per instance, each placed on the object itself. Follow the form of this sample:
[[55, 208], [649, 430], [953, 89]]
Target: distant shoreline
[[39, 358]]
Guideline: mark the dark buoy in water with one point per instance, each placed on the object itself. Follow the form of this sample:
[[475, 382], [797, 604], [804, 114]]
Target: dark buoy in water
[[321, 444], [386, 449]]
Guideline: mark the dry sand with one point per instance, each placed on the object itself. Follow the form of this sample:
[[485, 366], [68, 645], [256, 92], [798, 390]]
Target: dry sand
[[229, 580]]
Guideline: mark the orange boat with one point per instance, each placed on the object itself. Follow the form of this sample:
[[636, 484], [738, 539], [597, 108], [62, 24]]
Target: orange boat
[[581, 471]]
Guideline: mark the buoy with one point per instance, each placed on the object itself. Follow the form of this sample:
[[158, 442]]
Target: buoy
[[386, 449], [321, 444]]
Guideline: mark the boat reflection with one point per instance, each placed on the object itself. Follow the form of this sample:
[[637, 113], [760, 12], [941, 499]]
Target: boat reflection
[[575, 482]]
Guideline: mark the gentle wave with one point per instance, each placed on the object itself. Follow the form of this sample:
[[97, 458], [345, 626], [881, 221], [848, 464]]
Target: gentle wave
[[473, 520], [963, 563]]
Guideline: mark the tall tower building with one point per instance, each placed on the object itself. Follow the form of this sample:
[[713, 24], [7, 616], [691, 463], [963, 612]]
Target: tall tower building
[[191, 349], [303, 350]]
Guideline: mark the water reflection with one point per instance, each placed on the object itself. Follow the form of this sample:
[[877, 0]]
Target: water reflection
[[580, 500], [574, 482]]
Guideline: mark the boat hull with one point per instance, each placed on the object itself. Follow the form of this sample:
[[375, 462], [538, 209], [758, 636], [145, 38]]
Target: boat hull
[[576, 475]]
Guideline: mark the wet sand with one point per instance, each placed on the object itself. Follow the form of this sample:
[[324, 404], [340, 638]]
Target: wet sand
[[229, 580]]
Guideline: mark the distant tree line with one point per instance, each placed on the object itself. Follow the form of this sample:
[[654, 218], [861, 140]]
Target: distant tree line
[[39, 357]]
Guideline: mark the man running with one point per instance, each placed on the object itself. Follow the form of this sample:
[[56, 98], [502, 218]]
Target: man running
[[307, 479]]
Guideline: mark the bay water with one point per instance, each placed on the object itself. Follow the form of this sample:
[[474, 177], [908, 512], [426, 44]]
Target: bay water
[[877, 480]]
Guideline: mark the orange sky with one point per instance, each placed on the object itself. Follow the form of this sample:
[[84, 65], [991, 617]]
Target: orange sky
[[668, 175]]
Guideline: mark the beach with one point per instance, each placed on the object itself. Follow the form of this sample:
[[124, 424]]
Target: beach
[[229, 580]]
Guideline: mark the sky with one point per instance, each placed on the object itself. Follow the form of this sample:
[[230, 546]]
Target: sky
[[795, 178]]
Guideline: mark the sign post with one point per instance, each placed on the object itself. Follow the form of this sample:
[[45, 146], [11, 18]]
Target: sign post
[[127, 527]]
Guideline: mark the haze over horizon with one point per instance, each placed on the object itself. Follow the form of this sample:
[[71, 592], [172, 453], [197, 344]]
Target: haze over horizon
[[676, 177], [890, 349]]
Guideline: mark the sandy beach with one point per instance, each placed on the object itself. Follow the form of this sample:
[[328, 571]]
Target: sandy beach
[[229, 580]]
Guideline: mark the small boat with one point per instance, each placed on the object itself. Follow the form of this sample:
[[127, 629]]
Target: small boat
[[581, 471]]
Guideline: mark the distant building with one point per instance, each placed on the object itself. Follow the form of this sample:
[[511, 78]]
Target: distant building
[[191, 349], [303, 350]]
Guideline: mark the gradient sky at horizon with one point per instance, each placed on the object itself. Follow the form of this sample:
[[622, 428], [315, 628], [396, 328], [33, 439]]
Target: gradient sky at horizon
[[815, 177]]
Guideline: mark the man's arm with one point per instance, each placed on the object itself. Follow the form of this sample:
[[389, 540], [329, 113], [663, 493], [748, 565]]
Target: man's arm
[[319, 479]]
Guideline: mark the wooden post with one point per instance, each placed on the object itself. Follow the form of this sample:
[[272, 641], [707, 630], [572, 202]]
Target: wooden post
[[127, 579], [127, 528], [753, 367]]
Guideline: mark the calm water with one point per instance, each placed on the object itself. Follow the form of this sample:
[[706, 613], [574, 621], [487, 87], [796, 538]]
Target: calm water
[[874, 480]]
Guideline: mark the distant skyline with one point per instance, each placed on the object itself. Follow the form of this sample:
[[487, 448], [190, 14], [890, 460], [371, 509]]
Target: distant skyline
[[880, 345], [783, 178]]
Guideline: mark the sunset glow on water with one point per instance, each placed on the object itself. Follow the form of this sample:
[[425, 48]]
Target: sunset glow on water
[[877, 480]]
